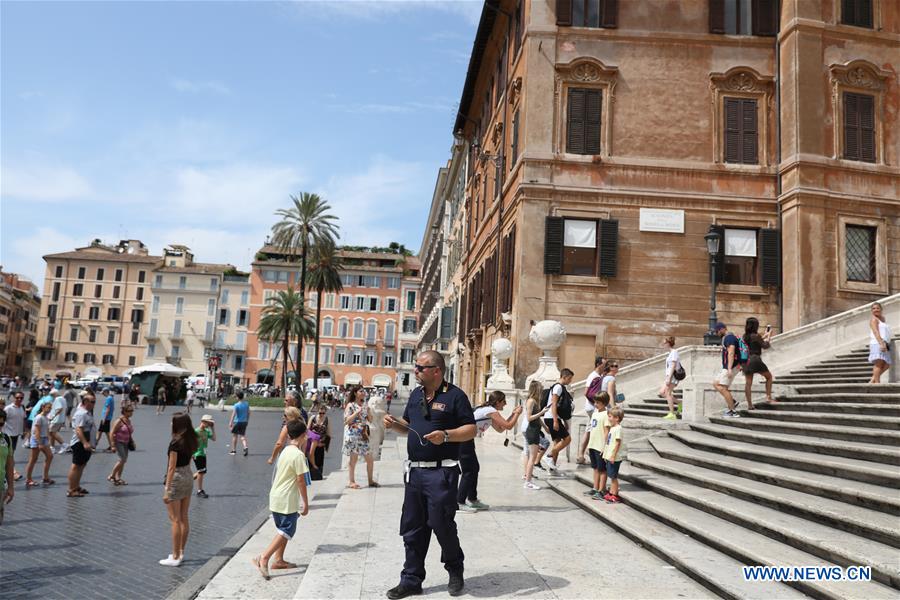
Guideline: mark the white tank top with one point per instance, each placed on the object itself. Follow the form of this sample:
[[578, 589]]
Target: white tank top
[[884, 330], [483, 418]]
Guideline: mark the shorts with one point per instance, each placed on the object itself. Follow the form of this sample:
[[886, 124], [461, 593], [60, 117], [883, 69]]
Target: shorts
[[543, 442], [68, 411], [560, 433], [200, 463], [286, 524], [15, 440], [239, 428], [182, 484], [612, 469], [55, 427], [532, 436], [80, 456], [597, 462], [725, 377], [755, 365], [104, 426], [122, 451], [33, 442]]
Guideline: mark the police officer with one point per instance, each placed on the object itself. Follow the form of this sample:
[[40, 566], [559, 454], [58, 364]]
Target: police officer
[[437, 418]]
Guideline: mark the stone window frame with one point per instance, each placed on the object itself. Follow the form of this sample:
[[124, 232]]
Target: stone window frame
[[741, 82], [582, 281], [584, 73], [859, 77], [881, 255], [744, 222], [876, 16]]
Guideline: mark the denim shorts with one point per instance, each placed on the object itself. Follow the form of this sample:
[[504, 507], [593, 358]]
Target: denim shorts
[[286, 524], [612, 469], [597, 462]]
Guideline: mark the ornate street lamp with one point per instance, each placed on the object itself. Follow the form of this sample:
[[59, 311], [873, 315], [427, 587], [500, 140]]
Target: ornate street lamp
[[713, 240]]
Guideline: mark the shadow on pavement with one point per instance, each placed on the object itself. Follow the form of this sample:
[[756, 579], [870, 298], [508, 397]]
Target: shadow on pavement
[[337, 548]]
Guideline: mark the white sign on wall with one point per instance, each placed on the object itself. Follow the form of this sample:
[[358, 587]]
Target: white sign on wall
[[662, 220]]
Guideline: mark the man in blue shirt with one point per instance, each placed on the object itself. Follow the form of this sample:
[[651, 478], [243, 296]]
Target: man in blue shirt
[[731, 364], [437, 418], [240, 416], [106, 417]]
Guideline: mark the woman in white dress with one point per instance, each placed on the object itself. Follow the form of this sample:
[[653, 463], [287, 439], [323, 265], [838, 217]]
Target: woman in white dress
[[667, 390], [880, 336]]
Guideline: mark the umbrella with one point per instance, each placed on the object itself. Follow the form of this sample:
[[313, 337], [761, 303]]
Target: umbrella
[[162, 369]]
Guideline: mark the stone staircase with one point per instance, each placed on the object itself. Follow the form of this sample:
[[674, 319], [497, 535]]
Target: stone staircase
[[650, 406], [813, 479]]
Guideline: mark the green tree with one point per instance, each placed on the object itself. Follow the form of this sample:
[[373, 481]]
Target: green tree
[[283, 318], [324, 275]]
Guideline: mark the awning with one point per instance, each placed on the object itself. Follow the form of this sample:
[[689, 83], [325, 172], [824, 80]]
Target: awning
[[161, 369], [352, 379], [265, 375], [292, 376], [381, 380]]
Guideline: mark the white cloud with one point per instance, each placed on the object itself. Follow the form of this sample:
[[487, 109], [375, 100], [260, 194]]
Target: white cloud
[[42, 183], [25, 253], [470, 10], [199, 87]]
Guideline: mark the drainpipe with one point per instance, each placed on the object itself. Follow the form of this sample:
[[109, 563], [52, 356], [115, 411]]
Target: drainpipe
[[780, 295]]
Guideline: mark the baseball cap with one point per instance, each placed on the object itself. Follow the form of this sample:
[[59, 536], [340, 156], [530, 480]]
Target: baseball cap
[[719, 326], [208, 418]]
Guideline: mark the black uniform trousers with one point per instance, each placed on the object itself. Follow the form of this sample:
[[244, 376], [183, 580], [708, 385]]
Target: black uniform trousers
[[468, 481], [429, 504]]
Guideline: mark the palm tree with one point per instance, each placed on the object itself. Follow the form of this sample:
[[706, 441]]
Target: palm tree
[[283, 318], [324, 276]]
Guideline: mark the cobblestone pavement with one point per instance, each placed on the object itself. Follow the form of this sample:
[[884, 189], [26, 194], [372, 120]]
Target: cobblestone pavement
[[107, 544]]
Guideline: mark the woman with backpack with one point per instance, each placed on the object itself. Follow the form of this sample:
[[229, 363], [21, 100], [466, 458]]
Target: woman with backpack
[[753, 344], [673, 370]]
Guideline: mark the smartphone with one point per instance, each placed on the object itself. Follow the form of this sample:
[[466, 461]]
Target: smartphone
[[768, 328]]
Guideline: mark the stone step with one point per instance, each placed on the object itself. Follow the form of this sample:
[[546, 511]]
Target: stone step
[[835, 432], [861, 359], [830, 378], [832, 545], [644, 412], [868, 452], [715, 570], [861, 371], [847, 388], [744, 545], [847, 517], [871, 496], [848, 468], [890, 423], [893, 399], [852, 408]]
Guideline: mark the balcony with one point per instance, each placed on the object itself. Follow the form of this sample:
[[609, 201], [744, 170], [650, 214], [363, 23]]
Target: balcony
[[177, 337], [388, 343], [151, 336]]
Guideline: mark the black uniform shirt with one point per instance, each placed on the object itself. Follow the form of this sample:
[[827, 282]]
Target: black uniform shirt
[[449, 409]]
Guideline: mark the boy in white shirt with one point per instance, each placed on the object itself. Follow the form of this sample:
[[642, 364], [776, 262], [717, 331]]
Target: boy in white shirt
[[614, 453]]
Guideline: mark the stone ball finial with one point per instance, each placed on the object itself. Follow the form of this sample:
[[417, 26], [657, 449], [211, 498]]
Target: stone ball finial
[[547, 335], [501, 348]]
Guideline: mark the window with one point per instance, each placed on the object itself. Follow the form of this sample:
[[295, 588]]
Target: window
[[407, 355], [857, 13], [90, 358], [214, 285], [78, 290], [179, 306], [56, 292], [743, 17], [590, 13], [518, 27], [371, 332], [344, 329], [76, 312], [223, 316], [92, 335], [94, 313], [113, 314], [139, 293], [117, 290], [245, 298], [81, 272], [370, 359], [409, 325], [210, 329], [514, 142], [59, 271], [118, 275], [240, 340], [390, 332], [135, 337], [583, 121], [348, 280], [410, 300], [391, 305], [132, 360], [238, 362], [225, 295], [100, 273], [358, 328], [154, 306], [328, 327], [154, 323], [137, 315], [142, 276], [741, 131], [373, 304], [861, 253], [357, 357], [340, 356], [50, 334], [325, 355], [360, 303], [580, 247], [267, 295], [312, 299], [242, 318], [273, 276], [345, 302], [387, 359], [176, 329], [51, 312], [182, 283], [741, 263], [111, 336], [98, 291], [176, 351], [263, 350], [393, 283], [309, 353], [71, 357], [859, 127], [329, 300], [151, 349], [158, 281], [73, 334]]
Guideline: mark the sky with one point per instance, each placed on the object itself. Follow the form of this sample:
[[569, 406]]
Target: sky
[[192, 122]]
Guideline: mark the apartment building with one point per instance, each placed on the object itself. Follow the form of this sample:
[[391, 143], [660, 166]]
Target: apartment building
[[233, 326], [411, 306], [360, 326], [93, 309], [607, 139], [184, 309], [20, 306]]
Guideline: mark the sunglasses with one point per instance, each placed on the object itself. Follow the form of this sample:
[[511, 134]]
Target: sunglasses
[[420, 368]]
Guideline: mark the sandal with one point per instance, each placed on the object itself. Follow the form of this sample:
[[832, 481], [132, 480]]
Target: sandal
[[73, 494], [263, 570], [47, 481], [374, 484], [83, 491], [121, 482], [580, 461], [353, 486], [283, 564], [111, 478], [30, 483]]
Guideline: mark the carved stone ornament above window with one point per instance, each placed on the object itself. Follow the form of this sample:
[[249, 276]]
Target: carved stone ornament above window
[[859, 74], [587, 70], [741, 79], [515, 91]]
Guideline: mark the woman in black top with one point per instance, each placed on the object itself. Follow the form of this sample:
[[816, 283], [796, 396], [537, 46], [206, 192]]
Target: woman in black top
[[179, 484], [756, 344]]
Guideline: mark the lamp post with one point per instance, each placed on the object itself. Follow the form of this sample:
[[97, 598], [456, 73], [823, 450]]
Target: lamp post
[[713, 239]]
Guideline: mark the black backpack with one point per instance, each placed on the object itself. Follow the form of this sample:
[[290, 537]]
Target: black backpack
[[563, 407]]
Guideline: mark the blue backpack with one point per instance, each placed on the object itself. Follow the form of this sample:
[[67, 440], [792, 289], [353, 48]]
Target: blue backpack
[[743, 350]]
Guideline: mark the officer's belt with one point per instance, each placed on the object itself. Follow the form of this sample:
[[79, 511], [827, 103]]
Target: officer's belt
[[409, 465]]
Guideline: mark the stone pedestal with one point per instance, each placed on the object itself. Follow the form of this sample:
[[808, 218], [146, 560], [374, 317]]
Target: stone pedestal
[[548, 336]]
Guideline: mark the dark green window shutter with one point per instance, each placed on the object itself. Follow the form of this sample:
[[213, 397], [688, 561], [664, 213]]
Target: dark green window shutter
[[564, 13], [866, 128], [463, 314], [719, 259], [446, 322], [749, 133], [717, 16], [609, 247], [766, 19], [609, 14], [770, 257], [575, 121], [553, 245], [514, 146], [593, 104], [732, 130], [851, 126]]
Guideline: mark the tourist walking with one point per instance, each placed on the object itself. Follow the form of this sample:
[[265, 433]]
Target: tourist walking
[[82, 434], [486, 416], [106, 417], [534, 415], [57, 420], [597, 373], [71, 397], [134, 398], [14, 424], [123, 435], [162, 397], [667, 391], [560, 403], [755, 344], [318, 424], [356, 435], [179, 484], [731, 364], [39, 443], [608, 383], [189, 399], [240, 418], [7, 467], [291, 413], [880, 337], [205, 433], [439, 417]]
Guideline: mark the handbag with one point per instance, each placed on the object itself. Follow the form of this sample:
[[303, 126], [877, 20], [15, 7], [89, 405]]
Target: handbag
[[131, 446], [679, 373], [365, 433]]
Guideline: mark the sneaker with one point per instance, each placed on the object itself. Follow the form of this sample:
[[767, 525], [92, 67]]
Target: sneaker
[[402, 591], [678, 408], [202, 494], [730, 414], [531, 486], [245, 452], [590, 492], [170, 562], [607, 496], [547, 462], [479, 505], [598, 495], [610, 499], [456, 584], [467, 509], [232, 452], [669, 417]]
